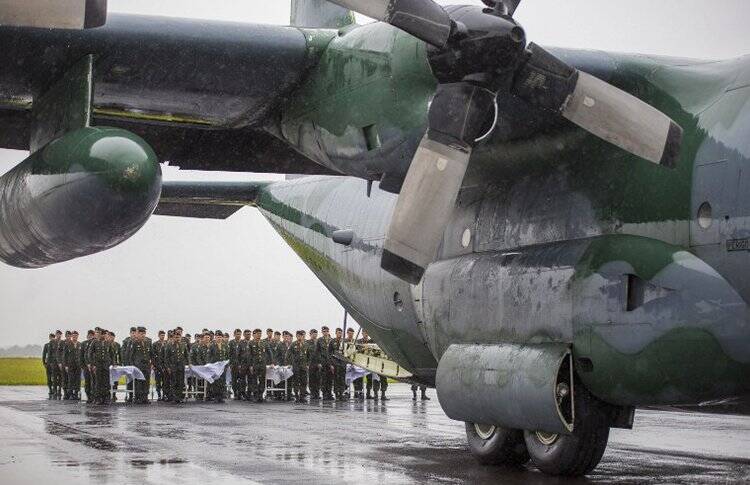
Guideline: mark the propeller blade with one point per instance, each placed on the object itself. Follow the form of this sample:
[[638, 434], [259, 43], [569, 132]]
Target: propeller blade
[[424, 19], [457, 114], [598, 107]]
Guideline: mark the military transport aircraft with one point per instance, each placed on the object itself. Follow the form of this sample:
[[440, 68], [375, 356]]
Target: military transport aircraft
[[550, 237]]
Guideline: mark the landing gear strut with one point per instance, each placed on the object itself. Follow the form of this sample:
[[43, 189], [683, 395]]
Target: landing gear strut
[[494, 445]]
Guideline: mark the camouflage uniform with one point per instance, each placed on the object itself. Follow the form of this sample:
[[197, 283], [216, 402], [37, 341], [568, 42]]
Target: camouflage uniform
[[284, 357], [326, 375], [314, 368], [217, 353], [157, 358], [117, 353], [257, 357], [101, 355], [88, 387], [125, 360], [61, 377], [72, 365], [140, 356], [300, 359], [339, 368], [235, 364], [176, 358]]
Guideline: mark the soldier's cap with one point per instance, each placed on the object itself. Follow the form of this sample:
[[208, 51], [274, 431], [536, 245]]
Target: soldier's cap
[[339, 330], [324, 328], [52, 335], [285, 333], [170, 332], [300, 332], [220, 332], [97, 329], [277, 333], [133, 329], [112, 333], [90, 332], [237, 330], [74, 332], [179, 328], [142, 329], [269, 330], [247, 330], [226, 335], [67, 333], [312, 330], [257, 330], [210, 333], [58, 332], [350, 330], [161, 332]]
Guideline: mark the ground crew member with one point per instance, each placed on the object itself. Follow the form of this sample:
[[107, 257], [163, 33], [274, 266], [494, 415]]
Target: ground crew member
[[46, 355], [337, 366], [217, 352], [257, 357], [300, 358], [326, 366], [72, 364], [140, 357], [157, 359], [233, 348], [88, 387], [176, 358], [313, 372], [101, 356]]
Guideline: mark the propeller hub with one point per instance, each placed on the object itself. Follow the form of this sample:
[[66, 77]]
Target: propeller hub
[[484, 45]]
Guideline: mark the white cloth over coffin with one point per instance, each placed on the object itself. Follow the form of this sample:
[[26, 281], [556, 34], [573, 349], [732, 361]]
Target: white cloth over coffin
[[278, 373], [354, 372], [129, 371], [208, 372]]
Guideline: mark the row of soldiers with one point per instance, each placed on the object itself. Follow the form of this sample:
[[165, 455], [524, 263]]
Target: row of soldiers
[[317, 370]]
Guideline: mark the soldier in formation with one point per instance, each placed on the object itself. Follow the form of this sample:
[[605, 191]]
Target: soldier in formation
[[317, 369]]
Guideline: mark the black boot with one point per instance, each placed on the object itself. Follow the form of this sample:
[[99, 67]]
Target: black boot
[[382, 396], [424, 396]]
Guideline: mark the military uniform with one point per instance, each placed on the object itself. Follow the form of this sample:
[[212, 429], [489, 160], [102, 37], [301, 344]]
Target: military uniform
[[101, 356], [117, 353], [257, 357], [199, 356], [140, 356], [61, 377], [300, 359], [339, 368], [176, 358], [72, 366], [326, 375], [218, 352], [88, 387], [46, 355], [284, 358], [314, 368], [157, 359], [234, 348], [125, 360]]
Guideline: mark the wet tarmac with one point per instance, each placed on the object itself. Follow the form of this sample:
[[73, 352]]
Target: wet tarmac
[[54, 442]]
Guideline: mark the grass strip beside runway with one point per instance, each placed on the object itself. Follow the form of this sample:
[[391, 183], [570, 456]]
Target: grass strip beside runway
[[22, 372]]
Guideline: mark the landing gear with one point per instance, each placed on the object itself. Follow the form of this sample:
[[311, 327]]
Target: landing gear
[[493, 445], [577, 453]]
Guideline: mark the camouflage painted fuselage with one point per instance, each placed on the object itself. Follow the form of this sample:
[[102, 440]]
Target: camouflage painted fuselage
[[557, 236]]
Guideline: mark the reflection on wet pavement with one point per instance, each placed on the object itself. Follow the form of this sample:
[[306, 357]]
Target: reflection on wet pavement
[[354, 442]]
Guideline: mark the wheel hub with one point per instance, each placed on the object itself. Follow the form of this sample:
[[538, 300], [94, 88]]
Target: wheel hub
[[485, 431], [546, 438]]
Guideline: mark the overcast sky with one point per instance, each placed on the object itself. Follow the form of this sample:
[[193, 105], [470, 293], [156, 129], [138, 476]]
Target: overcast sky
[[239, 272]]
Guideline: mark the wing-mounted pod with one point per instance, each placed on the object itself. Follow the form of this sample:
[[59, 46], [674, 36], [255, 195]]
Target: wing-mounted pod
[[83, 189], [510, 385]]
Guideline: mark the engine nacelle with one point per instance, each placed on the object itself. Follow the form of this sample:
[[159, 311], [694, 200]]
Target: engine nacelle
[[82, 193]]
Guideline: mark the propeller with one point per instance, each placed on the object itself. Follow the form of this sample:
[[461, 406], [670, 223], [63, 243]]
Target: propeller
[[477, 54]]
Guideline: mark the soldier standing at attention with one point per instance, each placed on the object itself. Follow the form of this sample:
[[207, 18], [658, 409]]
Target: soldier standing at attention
[[157, 358], [284, 357], [85, 365], [313, 369], [218, 352], [176, 358], [117, 353], [72, 364], [53, 361], [46, 354], [257, 357], [167, 386], [326, 368], [422, 389], [363, 342], [126, 360], [101, 356], [234, 362], [61, 347], [245, 389], [269, 338], [300, 356], [140, 355], [338, 366]]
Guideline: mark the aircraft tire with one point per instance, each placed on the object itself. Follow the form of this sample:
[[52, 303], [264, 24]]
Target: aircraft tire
[[494, 445], [574, 454]]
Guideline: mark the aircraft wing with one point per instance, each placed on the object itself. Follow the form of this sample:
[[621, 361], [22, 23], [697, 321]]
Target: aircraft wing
[[203, 94], [206, 200]]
